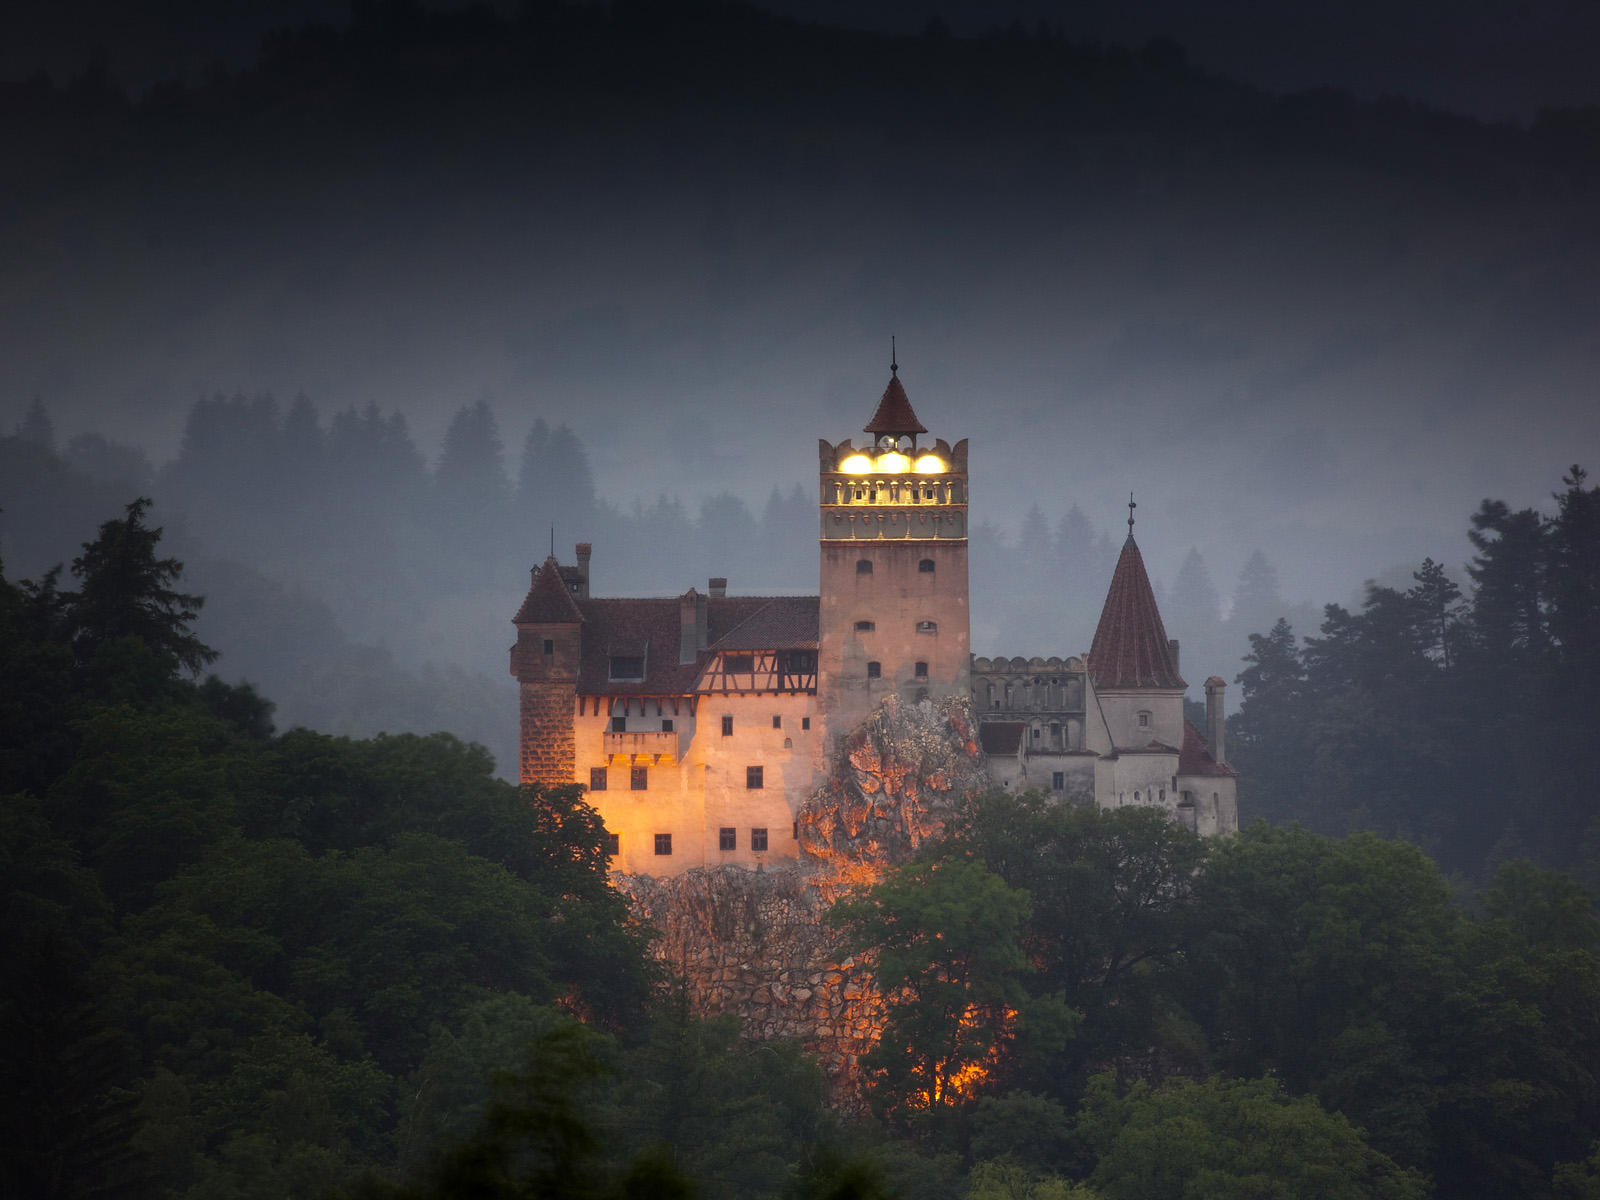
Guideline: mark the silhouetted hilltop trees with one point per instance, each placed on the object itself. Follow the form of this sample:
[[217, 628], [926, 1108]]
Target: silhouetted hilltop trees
[[1459, 720]]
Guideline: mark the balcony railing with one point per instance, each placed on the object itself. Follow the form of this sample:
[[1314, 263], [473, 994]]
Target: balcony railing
[[651, 743]]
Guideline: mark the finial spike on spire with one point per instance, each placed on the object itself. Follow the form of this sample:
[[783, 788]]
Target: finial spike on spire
[[552, 541], [1131, 507], [894, 365]]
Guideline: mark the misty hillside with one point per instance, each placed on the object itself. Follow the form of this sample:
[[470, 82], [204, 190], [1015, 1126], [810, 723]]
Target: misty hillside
[[680, 237]]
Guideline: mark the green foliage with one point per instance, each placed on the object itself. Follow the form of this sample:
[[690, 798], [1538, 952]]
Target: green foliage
[[1229, 1139]]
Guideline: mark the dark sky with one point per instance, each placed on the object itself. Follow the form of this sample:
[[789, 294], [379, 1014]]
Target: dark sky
[[1330, 363]]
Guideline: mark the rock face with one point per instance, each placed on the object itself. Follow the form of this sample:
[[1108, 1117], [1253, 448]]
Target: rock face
[[753, 942]]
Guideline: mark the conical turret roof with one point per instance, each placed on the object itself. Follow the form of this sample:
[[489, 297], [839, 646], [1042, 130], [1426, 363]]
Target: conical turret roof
[[894, 413], [548, 599], [1130, 646]]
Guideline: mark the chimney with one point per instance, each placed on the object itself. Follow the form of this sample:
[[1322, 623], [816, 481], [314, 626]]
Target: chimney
[[691, 626], [584, 550], [1172, 649], [1215, 686], [717, 586]]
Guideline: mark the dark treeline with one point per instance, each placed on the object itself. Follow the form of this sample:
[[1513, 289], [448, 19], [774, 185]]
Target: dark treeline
[[249, 964], [1462, 721]]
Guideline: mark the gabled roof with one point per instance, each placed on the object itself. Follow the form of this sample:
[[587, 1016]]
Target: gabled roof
[[894, 413], [783, 623], [1130, 647], [652, 627], [1195, 757], [549, 599]]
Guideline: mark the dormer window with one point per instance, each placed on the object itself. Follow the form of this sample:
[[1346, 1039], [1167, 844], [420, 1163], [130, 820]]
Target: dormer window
[[627, 666]]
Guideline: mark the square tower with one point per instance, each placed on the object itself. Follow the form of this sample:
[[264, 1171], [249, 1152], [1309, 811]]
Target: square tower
[[893, 615]]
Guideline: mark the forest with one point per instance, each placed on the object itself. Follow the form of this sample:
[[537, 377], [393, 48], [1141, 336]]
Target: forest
[[247, 962]]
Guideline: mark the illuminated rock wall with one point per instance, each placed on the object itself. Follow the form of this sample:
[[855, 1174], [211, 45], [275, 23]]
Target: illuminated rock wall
[[754, 943]]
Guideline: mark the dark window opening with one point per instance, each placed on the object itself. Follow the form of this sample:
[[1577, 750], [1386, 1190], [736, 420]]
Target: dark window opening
[[1036, 734], [639, 779], [619, 724], [666, 725], [921, 670], [739, 664], [874, 670], [752, 777], [925, 567], [863, 566], [927, 627], [805, 722], [727, 838], [1144, 720], [777, 721], [613, 844], [597, 779], [796, 833], [663, 843], [865, 626], [1058, 780], [758, 839], [627, 666], [549, 646], [727, 726]]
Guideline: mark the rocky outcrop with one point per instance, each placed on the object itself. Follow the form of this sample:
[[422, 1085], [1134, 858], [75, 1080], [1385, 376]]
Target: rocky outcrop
[[754, 942]]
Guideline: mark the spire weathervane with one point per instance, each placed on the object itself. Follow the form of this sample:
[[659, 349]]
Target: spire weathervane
[[1131, 507], [894, 365], [552, 541]]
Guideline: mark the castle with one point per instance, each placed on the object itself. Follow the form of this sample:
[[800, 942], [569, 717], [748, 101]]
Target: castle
[[701, 723]]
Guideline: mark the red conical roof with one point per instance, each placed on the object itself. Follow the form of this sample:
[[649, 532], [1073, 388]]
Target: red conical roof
[[1130, 646], [894, 413], [548, 599]]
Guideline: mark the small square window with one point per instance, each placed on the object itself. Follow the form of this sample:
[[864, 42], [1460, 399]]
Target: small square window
[[619, 724], [758, 839], [727, 726], [639, 779], [752, 777], [925, 567], [663, 843], [805, 722], [777, 721], [597, 779], [613, 844], [922, 670], [1058, 780], [727, 838], [874, 670], [863, 566], [666, 724]]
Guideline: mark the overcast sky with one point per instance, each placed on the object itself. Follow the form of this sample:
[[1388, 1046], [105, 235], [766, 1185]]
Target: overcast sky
[[1334, 368]]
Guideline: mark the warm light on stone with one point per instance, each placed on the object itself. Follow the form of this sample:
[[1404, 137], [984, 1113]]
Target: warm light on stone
[[929, 464], [893, 462], [856, 464]]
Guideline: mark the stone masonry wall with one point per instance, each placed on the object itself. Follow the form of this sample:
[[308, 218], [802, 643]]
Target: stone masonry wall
[[547, 741], [754, 942]]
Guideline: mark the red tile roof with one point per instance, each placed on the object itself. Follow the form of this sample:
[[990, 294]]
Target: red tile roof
[[894, 413], [650, 627], [1195, 757], [1130, 647], [549, 599]]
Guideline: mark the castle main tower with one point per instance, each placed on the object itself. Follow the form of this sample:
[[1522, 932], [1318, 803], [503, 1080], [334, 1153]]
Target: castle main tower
[[893, 613]]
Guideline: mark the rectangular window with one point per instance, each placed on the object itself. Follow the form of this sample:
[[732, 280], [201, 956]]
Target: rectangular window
[[921, 671], [865, 626], [777, 721], [619, 724], [927, 627], [613, 844], [666, 724], [639, 779], [727, 726], [727, 838], [758, 839], [752, 777], [663, 843], [874, 670], [627, 666], [805, 722], [739, 664], [1058, 780], [549, 646], [597, 779]]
